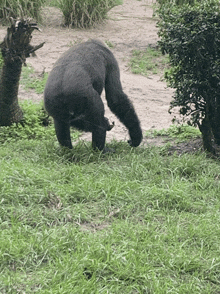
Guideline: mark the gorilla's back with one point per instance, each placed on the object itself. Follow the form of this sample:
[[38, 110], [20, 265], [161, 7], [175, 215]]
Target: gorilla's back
[[79, 68]]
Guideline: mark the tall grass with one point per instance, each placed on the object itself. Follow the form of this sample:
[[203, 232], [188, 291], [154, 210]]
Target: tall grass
[[177, 2], [85, 13], [20, 8]]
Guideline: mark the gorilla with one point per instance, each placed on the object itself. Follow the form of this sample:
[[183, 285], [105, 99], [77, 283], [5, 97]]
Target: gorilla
[[72, 95]]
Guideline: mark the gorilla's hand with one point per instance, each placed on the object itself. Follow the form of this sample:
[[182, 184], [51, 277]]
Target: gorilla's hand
[[107, 124], [136, 137]]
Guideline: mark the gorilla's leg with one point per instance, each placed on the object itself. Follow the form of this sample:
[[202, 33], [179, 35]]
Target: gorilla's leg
[[98, 139], [63, 133], [122, 107], [88, 124], [99, 130], [95, 120]]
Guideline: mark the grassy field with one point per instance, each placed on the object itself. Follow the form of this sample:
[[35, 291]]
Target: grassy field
[[135, 221]]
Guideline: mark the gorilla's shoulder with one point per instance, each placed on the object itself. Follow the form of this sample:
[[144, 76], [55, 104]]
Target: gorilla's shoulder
[[97, 42], [92, 43]]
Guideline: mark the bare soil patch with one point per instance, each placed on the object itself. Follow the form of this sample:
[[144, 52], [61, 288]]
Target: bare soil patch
[[129, 26]]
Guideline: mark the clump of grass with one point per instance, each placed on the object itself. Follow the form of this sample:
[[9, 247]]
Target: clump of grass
[[109, 44], [180, 132], [20, 8], [85, 13], [149, 61], [53, 3], [30, 80]]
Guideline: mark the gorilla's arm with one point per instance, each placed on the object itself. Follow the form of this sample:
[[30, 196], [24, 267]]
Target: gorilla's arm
[[121, 106]]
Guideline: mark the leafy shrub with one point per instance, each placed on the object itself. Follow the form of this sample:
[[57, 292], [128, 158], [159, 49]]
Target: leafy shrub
[[20, 8], [85, 13], [190, 35], [35, 125]]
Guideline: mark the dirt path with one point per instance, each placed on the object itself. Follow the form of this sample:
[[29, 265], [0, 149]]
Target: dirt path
[[130, 26]]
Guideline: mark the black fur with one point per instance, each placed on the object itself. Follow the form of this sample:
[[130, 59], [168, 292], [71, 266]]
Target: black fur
[[72, 95]]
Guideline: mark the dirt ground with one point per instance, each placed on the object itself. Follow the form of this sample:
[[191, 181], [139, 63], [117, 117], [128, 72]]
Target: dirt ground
[[129, 26]]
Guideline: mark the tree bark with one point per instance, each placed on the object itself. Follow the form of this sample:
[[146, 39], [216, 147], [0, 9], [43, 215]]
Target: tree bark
[[206, 130], [215, 120], [10, 111]]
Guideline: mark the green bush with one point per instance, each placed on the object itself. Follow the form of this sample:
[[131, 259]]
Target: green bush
[[85, 13], [20, 8], [35, 125], [190, 35]]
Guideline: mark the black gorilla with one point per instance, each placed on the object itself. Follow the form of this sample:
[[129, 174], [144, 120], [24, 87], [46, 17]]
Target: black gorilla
[[72, 95]]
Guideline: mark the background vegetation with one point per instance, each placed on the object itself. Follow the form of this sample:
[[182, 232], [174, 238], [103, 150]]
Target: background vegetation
[[20, 8], [85, 13], [77, 13]]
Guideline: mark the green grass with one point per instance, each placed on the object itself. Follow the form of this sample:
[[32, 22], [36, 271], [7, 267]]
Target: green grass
[[56, 3], [85, 13], [20, 8], [35, 125], [109, 44], [53, 3], [135, 221], [30, 80], [149, 61], [180, 132]]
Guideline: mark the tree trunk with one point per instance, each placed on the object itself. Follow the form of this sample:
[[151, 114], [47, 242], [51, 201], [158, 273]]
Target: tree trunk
[[10, 111], [215, 119], [205, 129], [15, 48]]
